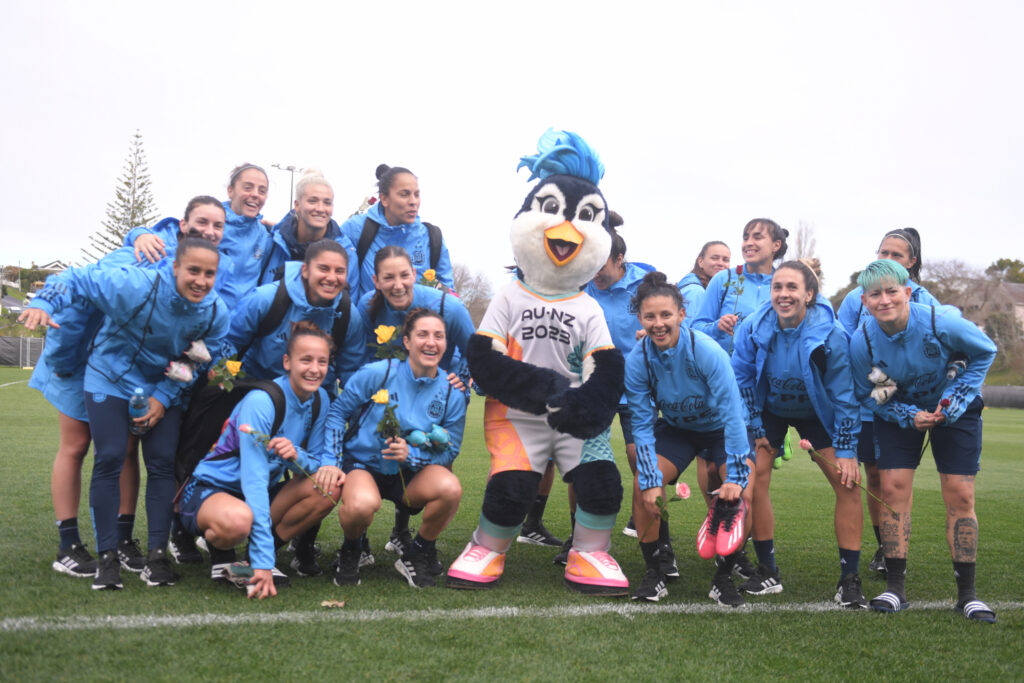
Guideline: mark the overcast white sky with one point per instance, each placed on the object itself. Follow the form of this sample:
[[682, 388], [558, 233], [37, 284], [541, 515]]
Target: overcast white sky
[[855, 120]]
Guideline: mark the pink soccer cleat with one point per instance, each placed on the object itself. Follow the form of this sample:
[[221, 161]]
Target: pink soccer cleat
[[730, 535], [476, 568], [594, 573], [707, 536]]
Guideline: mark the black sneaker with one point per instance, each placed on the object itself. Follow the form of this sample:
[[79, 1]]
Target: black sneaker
[[281, 580], [219, 570], [416, 569], [75, 561], [652, 587], [562, 557], [346, 568], [849, 593], [157, 571], [630, 528], [764, 582], [366, 558], [108, 573], [304, 563], [399, 541], [129, 554], [318, 551], [723, 591], [743, 568], [538, 535], [877, 563], [434, 566], [184, 550], [667, 560]]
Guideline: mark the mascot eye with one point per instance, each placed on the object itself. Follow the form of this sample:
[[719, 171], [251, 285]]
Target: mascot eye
[[549, 205], [588, 213]]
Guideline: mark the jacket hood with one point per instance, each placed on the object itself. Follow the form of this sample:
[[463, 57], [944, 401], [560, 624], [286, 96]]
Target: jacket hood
[[690, 279], [376, 212], [816, 324], [285, 236], [297, 289], [167, 291], [232, 218]]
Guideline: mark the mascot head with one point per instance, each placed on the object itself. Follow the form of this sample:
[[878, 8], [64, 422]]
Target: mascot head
[[560, 237]]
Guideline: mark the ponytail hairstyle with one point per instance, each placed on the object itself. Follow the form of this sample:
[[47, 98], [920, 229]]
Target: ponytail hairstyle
[[202, 200], [814, 264], [384, 253], [418, 314], [187, 244], [242, 168], [882, 272], [701, 275], [320, 246], [810, 278], [775, 232], [311, 176], [305, 328], [386, 177], [655, 283], [913, 239]]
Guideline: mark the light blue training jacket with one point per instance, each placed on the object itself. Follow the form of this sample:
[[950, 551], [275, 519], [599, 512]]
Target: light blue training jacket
[[421, 403], [730, 292], [412, 237], [819, 342], [693, 293], [285, 247], [148, 324], [917, 360], [253, 470], [263, 357], [693, 387]]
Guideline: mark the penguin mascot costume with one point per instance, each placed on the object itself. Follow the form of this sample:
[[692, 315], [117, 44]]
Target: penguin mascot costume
[[544, 357]]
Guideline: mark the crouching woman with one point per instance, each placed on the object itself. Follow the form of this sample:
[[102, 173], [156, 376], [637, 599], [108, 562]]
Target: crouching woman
[[238, 491]]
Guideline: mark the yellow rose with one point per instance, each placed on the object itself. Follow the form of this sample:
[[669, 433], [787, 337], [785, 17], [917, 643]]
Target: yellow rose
[[381, 396], [429, 274], [384, 333], [233, 366]]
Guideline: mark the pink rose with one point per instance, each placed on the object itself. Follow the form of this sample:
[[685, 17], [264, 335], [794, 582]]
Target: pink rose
[[806, 445], [682, 489]]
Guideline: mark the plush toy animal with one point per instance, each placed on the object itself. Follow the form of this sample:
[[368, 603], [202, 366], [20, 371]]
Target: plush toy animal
[[553, 378]]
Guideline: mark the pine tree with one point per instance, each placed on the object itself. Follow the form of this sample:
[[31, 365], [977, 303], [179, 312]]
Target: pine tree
[[133, 204]]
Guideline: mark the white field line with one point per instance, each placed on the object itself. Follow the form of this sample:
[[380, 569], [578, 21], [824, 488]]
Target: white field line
[[627, 610], [20, 381]]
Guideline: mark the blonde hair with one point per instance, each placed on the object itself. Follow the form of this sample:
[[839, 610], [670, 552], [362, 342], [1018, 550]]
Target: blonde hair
[[311, 176]]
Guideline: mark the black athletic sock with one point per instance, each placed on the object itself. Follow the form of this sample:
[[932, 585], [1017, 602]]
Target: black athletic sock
[[663, 536], [536, 514], [125, 527], [878, 534], [422, 545], [67, 530], [849, 562], [724, 565], [352, 544], [278, 541], [219, 556], [896, 576], [176, 528], [651, 554], [401, 519], [307, 539], [964, 573]]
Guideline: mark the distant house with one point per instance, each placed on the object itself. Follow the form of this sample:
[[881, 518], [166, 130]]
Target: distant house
[[52, 267], [981, 300]]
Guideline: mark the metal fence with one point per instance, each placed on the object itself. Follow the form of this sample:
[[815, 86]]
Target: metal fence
[[20, 351]]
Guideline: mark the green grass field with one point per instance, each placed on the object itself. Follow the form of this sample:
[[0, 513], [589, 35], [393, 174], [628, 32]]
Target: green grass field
[[530, 626]]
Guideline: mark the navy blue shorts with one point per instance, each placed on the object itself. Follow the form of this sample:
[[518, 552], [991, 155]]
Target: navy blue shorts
[[956, 447], [626, 422], [390, 486], [195, 494], [681, 446], [867, 449], [810, 428]]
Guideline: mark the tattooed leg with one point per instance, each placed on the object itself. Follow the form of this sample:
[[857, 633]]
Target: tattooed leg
[[897, 487], [961, 521]]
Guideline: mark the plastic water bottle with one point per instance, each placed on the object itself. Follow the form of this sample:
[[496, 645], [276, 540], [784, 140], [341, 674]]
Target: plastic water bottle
[[138, 406]]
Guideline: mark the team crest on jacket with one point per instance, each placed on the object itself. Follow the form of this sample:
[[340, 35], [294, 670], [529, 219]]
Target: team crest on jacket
[[931, 350], [436, 408], [417, 254]]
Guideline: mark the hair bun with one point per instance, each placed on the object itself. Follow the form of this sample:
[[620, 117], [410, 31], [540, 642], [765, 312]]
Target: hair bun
[[655, 277], [312, 171], [914, 232], [614, 219], [381, 170]]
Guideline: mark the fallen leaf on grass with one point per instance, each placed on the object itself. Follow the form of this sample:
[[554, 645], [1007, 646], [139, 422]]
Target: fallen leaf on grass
[[333, 603]]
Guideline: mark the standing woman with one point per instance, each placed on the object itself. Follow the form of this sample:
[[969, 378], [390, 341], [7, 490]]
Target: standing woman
[[792, 364], [412, 468], [905, 371], [237, 491], [686, 377], [152, 318], [395, 221], [734, 293], [902, 245], [309, 221], [712, 259]]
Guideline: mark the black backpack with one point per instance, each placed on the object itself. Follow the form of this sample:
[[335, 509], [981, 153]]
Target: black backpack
[[211, 406], [372, 227]]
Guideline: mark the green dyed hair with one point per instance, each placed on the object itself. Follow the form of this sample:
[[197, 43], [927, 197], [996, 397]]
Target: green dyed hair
[[882, 272]]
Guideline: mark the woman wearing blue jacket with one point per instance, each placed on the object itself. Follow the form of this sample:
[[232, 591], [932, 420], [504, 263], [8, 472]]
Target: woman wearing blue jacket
[[309, 221], [315, 288], [734, 293], [153, 316], [712, 259], [397, 216], [399, 425], [59, 375], [919, 369], [686, 377], [902, 245], [792, 364], [237, 491]]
